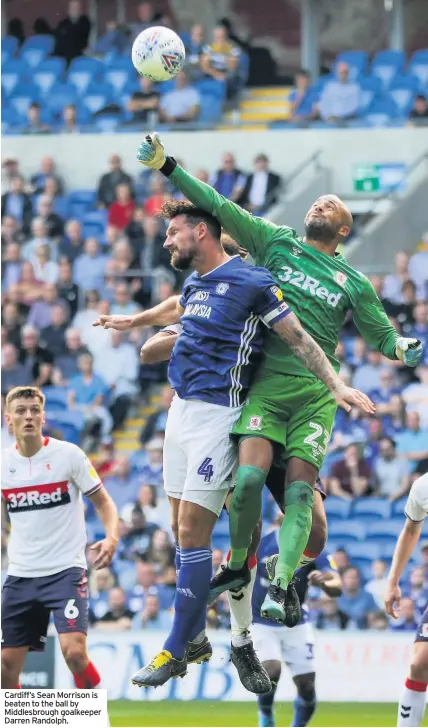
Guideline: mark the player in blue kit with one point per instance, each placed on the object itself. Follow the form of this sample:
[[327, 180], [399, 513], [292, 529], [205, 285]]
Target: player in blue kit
[[223, 309], [293, 646]]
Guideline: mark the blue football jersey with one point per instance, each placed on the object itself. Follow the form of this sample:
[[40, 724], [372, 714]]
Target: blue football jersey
[[220, 346], [269, 547]]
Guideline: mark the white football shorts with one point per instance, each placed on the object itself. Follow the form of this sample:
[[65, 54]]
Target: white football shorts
[[293, 646], [199, 457]]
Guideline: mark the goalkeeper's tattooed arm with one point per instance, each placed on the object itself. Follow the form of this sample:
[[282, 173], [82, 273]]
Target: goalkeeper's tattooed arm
[[290, 330]]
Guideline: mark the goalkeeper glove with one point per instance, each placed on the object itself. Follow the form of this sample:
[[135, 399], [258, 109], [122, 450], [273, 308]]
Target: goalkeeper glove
[[409, 351], [151, 152]]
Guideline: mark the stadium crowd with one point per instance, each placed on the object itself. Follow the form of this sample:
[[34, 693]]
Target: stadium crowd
[[62, 268]]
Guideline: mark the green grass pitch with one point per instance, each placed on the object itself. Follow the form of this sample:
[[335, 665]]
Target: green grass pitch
[[206, 713]]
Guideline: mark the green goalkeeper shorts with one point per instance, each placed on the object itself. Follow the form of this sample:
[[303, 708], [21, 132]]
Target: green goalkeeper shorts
[[296, 413]]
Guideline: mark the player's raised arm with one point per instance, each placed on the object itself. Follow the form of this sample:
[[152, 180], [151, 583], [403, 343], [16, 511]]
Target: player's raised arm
[[253, 232], [158, 348], [375, 328], [165, 313]]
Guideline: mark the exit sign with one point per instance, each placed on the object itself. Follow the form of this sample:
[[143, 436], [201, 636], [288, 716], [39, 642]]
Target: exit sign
[[378, 177]]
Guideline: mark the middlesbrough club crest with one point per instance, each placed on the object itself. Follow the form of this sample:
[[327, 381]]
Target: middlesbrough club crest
[[255, 423]]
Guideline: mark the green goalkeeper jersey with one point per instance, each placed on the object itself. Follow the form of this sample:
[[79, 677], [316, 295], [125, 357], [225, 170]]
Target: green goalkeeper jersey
[[319, 288]]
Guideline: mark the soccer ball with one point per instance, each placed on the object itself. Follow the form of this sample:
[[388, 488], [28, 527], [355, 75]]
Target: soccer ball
[[158, 53]]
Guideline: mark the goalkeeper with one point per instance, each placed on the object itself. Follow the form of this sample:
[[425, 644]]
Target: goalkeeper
[[289, 413]]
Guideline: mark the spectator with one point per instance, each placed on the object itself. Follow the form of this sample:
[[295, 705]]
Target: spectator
[[403, 312], [412, 443], [72, 33], [67, 362], [355, 601], [393, 283], [152, 617], [100, 583], [118, 617], [194, 52], [417, 588], [372, 446], [161, 553], [340, 99], [45, 269], [10, 232], [182, 104], [358, 354], [156, 422], [152, 472], [28, 289], [261, 187], [35, 357], [71, 246], [12, 322], [88, 393], [350, 477], [11, 266], [229, 180], [416, 395], [17, 204], [47, 169], [41, 311], [391, 471], [151, 252], [53, 335], [119, 370], [329, 617], [121, 485], [89, 268], [113, 40], [155, 510], [418, 268], [40, 237], [220, 60], [385, 391], [378, 621], [106, 194], [34, 123], [406, 621], [69, 123], [13, 374], [146, 585], [67, 290], [121, 210], [302, 83], [419, 330], [53, 222], [144, 19], [154, 203], [144, 104], [367, 376], [419, 113], [123, 304], [137, 542], [394, 422], [377, 585]]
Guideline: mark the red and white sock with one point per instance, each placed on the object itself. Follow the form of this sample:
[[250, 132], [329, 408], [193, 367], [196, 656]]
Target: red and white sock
[[241, 613], [411, 708], [89, 678], [306, 558]]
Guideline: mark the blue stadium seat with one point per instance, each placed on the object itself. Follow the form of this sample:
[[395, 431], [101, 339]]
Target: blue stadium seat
[[107, 123], [370, 86], [94, 224], [364, 566], [97, 96], [221, 528], [60, 95], [80, 202], [376, 507], [56, 398], [35, 49], [398, 508], [356, 60], [11, 119], [84, 71], [9, 44], [337, 507], [364, 550], [48, 73], [387, 64], [378, 529], [220, 542], [211, 87], [211, 109], [346, 531], [119, 72], [402, 91], [381, 111], [22, 96], [418, 67], [310, 98], [14, 72]]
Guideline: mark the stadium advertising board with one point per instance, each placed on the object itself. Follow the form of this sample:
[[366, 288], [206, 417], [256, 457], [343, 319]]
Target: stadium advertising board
[[369, 667]]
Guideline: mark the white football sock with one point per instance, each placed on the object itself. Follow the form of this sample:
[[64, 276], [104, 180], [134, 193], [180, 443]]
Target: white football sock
[[411, 708], [241, 613]]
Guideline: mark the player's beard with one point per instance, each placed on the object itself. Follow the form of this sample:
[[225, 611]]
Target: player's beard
[[183, 260], [322, 231]]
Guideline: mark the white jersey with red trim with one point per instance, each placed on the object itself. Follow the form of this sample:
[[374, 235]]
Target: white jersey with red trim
[[417, 503], [43, 496]]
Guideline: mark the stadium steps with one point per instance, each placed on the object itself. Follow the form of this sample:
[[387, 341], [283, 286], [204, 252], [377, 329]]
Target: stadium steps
[[262, 105], [127, 440]]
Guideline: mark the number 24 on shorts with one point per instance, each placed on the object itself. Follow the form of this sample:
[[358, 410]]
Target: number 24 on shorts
[[206, 469]]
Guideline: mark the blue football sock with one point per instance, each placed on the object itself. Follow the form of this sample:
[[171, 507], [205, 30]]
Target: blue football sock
[[177, 557], [303, 711], [191, 596], [265, 701]]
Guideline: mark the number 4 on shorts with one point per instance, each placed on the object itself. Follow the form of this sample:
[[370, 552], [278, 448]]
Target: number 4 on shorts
[[206, 469]]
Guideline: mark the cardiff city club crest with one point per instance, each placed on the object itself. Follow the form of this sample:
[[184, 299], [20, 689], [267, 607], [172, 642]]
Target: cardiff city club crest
[[222, 288]]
